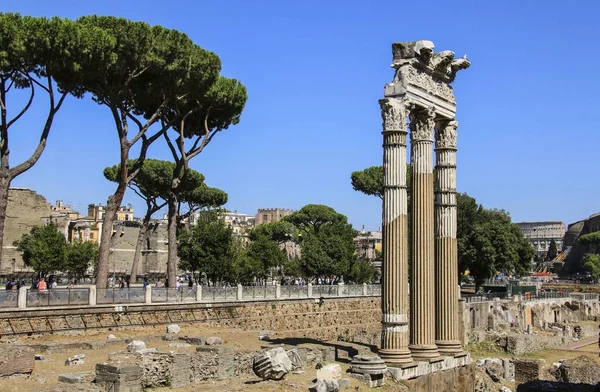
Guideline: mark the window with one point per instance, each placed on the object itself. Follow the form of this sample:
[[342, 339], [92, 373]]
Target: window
[[91, 236]]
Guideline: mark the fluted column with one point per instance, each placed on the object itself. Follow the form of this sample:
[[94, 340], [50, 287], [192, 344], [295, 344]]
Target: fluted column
[[446, 248], [394, 297], [422, 301]]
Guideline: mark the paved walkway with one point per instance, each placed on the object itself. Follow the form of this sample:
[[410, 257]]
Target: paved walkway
[[573, 346]]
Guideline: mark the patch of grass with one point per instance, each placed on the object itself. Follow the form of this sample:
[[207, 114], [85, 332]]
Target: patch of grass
[[486, 348]]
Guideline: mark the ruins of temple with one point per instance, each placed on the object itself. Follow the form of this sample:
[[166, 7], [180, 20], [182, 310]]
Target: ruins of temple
[[420, 331]]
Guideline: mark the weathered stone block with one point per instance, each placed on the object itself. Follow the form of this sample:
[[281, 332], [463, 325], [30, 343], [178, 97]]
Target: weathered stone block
[[75, 360], [213, 340], [16, 360], [579, 370], [272, 365], [324, 386], [527, 370], [169, 337], [332, 371], [75, 378], [136, 346], [173, 328]]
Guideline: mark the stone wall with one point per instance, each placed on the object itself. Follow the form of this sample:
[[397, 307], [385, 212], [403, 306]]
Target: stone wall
[[346, 318], [25, 210], [153, 260]]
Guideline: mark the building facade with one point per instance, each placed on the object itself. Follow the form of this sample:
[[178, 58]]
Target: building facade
[[270, 215], [540, 234], [368, 244]]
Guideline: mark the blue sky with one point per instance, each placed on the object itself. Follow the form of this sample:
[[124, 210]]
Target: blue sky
[[527, 107]]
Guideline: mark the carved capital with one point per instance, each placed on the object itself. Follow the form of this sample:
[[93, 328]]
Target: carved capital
[[394, 113], [445, 133], [422, 123]]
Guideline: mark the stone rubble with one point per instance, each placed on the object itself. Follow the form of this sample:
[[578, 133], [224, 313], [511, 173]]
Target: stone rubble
[[369, 369], [169, 337], [39, 357], [180, 345], [75, 378], [295, 359], [582, 369], [213, 341], [111, 337], [75, 360], [136, 346], [332, 371], [173, 328], [272, 365], [325, 386]]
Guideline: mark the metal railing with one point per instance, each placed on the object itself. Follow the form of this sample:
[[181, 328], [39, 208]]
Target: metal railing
[[217, 293], [31, 298], [117, 295], [483, 297], [9, 299], [325, 290], [259, 292], [57, 297], [166, 294]]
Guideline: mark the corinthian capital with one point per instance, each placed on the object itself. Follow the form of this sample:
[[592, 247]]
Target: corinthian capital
[[394, 113], [445, 134], [422, 123]]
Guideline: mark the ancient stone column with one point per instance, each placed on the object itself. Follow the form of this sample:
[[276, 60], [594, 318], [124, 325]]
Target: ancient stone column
[[422, 292], [394, 297], [446, 250]]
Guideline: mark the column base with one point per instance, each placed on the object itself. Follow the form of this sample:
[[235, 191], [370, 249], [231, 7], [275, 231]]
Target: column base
[[424, 352], [395, 357], [449, 347]]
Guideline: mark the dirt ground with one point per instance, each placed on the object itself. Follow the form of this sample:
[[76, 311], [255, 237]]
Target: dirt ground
[[45, 374]]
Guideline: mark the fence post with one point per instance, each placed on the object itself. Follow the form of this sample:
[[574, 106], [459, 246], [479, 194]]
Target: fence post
[[240, 293], [309, 287], [340, 290], [198, 293], [148, 294], [92, 295], [277, 291], [22, 298], [365, 289]]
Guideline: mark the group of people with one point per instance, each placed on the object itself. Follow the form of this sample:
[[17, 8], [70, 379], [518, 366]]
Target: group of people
[[36, 284]]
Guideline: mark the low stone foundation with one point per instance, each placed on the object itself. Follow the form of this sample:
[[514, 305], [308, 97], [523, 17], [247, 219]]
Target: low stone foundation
[[418, 369]]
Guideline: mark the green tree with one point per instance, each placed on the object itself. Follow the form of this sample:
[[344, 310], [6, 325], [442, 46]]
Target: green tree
[[496, 245], [201, 115], [368, 181], [148, 72], [43, 249], [40, 61], [552, 251], [327, 242], [362, 271], [267, 254], [208, 247], [152, 184], [78, 258], [591, 263], [200, 198]]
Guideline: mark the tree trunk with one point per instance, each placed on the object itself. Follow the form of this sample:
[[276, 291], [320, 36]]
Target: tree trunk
[[172, 246], [143, 234], [4, 186], [110, 215]]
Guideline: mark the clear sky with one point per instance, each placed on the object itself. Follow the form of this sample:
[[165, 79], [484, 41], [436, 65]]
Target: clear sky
[[527, 107]]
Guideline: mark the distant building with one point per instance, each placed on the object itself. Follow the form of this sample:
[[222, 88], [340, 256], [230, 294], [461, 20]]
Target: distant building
[[239, 223], [270, 215], [576, 250], [97, 211], [540, 234], [367, 243]]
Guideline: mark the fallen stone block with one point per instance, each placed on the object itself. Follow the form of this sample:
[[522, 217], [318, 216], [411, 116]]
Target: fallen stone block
[[16, 360], [495, 370], [75, 378], [136, 346], [75, 360], [527, 370], [119, 377], [324, 386], [111, 337], [272, 365], [213, 340], [295, 359], [578, 370], [333, 371], [195, 340], [180, 345], [344, 383], [170, 337], [39, 357], [369, 369], [173, 328]]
